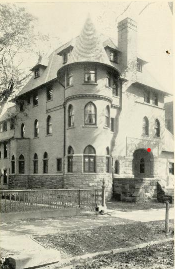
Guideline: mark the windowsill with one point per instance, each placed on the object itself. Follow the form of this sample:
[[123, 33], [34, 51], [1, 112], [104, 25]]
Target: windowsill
[[91, 173], [48, 134], [71, 127], [106, 127], [145, 103], [49, 100], [36, 77], [89, 126], [90, 83], [145, 136], [59, 172], [36, 137], [67, 87], [69, 173], [156, 137], [35, 105], [115, 96], [108, 87]]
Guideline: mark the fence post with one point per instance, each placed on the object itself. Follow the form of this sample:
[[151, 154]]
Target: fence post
[[103, 194], [79, 198], [167, 218]]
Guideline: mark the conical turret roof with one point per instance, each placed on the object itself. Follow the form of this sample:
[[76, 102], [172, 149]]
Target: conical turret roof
[[88, 46]]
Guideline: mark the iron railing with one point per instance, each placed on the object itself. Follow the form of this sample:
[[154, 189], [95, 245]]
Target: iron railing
[[28, 200]]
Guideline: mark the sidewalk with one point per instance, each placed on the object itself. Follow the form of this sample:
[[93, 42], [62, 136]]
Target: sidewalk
[[16, 237]]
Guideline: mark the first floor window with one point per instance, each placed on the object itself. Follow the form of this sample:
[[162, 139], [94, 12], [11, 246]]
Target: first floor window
[[171, 168], [70, 116], [69, 78], [142, 166], [70, 159], [145, 126], [107, 116], [116, 168], [13, 164], [36, 128], [12, 124], [116, 87], [21, 164], [49, 125], [35, 99], [45, 163], [90, 114], [108, 79], [49, 94], [157, 128], [5, 177], [22, 130], [5, 150], [90, 74], [107, 160], [89, 159], [59, 165], [35, 164]]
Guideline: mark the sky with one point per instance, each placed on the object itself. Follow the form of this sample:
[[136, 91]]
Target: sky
[[64, 20]]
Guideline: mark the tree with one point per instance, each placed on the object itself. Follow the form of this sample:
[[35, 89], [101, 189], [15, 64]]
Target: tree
[[17, 38]]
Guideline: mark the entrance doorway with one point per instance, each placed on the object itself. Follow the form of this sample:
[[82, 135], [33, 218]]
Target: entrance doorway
[[143, 163]]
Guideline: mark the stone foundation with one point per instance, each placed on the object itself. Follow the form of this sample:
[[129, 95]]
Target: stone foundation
[[35, 181], [132, 189]]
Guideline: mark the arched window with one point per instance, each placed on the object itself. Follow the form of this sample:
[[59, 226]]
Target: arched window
[[22, 130], [89, 159], [107, 116], [45, 163], [117, 167], [70, 116], [90, 114], [49, 125], [142, 166], [35, 164], [21, 164], [107, 160], [70, 159], [157, 128], [145, 126], [36, 128], [13, 165]]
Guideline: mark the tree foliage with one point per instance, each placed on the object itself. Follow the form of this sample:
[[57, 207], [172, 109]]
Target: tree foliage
[[17, 39]]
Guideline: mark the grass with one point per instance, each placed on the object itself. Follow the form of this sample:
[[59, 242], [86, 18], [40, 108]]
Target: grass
[[155, 257], [128, 206], [85, 241]]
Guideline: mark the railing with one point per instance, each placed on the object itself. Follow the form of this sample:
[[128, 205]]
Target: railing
[[28, 200]]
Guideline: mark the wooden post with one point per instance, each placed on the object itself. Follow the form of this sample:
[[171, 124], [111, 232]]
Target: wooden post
[[167, 218], [103, 194]]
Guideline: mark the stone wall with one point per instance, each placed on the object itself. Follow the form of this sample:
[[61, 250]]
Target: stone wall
[[35, 181], [131, 189]]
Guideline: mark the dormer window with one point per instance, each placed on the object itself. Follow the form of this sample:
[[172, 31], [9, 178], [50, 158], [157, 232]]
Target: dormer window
[[139, 66], [114, 57], [155, 99], [36, 73], [147, 97]]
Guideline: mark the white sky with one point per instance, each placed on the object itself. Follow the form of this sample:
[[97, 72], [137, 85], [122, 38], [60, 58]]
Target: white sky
[[64, 20]]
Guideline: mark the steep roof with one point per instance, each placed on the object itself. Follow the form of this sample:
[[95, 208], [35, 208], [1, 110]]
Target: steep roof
[[89, 46]]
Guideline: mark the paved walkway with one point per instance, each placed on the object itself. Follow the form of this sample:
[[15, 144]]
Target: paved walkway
[[16, 238]]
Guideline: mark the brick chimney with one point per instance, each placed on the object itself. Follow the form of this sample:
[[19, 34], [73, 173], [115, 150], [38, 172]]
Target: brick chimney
[[127, 43]]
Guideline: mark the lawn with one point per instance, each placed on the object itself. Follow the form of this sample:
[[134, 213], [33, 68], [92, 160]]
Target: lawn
[[152, 257], [128, 206], [79, 242]]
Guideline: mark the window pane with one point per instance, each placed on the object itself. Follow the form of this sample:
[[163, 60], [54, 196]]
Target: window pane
[[21, 167], [91, 164], [59, 165]]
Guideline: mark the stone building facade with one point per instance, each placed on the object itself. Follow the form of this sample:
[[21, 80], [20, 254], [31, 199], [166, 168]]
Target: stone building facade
[[90, 112]]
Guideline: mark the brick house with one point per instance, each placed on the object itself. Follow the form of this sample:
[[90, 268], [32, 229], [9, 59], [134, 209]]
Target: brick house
[[89, 113]]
